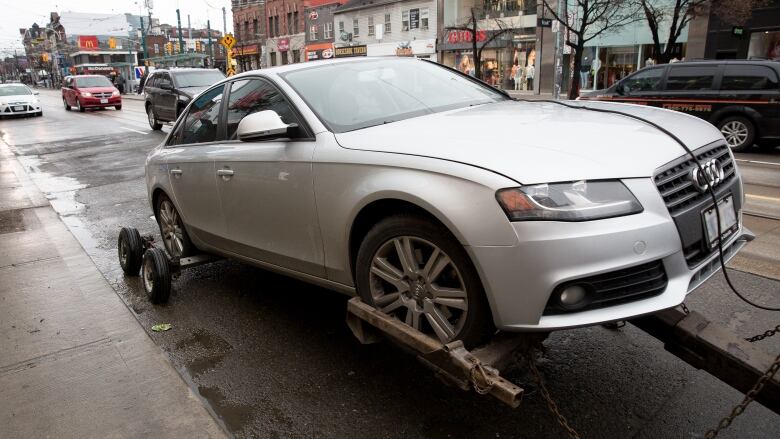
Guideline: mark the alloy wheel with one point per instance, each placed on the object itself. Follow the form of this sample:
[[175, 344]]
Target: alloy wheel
[[123, 252], [150, 116], [414, 280], [171, 229], [735, 132]]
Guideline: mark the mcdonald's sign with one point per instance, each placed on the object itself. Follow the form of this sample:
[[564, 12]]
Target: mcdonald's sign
[[88, 42]]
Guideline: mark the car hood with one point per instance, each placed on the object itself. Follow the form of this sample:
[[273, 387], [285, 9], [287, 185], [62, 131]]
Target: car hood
[[17, 98], [193, 91], [537, 142]]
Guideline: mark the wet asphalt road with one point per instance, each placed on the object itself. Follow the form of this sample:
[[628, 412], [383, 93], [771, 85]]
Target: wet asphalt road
[[272, 357]]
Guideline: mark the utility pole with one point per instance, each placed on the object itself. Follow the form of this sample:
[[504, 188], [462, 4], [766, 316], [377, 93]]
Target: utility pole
[[189, 28], [211, 48], [559, 42], [181, 37], [143, 46], [224, 22]]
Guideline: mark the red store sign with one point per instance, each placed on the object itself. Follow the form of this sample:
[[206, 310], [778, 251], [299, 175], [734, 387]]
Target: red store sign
[[462, 36], [283, 44]]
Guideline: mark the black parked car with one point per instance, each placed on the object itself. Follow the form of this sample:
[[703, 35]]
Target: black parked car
[[169, 91], [741, 98]]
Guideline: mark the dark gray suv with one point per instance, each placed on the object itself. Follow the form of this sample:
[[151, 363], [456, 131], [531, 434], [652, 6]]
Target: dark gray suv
[[168, 91]]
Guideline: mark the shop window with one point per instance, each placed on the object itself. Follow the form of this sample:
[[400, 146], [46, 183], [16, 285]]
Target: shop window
[[355, 27], [370, 25], [645, 80], [405, 20], [387, 23], [691, 77], [764, 45], [341, 27], [313, 33], [747, 77], [424, 18]]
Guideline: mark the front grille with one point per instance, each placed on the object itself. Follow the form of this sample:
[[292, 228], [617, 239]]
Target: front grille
[[677, 189], [11, 107], [616, 287], [102, 95]]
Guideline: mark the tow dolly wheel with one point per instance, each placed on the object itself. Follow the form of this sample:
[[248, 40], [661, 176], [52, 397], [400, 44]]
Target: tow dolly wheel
[[131, 249], [156, 275]]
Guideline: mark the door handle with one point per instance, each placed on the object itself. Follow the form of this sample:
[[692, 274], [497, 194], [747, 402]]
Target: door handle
[[225, 172], [176, 172]]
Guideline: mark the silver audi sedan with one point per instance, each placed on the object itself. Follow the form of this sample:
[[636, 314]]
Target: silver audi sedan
[[441, 201]]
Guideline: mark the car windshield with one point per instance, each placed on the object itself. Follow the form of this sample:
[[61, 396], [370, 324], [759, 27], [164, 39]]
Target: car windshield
[[198, 78], [93, 81], [14, 90], [353, 95]]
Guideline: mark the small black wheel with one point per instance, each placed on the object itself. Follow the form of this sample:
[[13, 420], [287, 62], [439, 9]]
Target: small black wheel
[[118, 107], [156, 275], [739, 132], [65, 103], [152, 118], [131, 249]]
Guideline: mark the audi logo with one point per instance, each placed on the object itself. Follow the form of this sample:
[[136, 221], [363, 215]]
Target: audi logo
[[713, 174]]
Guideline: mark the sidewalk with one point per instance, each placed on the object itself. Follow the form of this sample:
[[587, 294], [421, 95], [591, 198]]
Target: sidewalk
[[74, 362]]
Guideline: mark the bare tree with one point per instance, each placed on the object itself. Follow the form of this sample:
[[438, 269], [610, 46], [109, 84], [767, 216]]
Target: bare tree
[[677, 14], [589, 19], [472, 27]]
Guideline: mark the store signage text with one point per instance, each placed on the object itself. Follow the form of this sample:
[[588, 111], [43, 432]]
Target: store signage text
[[343, 52], [414, 18], [464, 36], [544, 22]]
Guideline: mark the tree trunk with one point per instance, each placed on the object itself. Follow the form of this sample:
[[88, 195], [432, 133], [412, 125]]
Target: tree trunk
[[574, 89], [477, 54]]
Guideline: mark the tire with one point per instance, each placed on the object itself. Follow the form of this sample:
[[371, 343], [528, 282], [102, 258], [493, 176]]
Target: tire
[[152, 119], [118, 107], [174, 236], [130, 249], [740, 133], [65, 103], [409, 294], [79, 107], [156, 275]]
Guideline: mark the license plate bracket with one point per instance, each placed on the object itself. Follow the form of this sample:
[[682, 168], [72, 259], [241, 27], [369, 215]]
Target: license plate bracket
[[728, 220]]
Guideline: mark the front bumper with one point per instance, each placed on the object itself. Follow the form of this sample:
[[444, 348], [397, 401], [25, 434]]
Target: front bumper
[[92, 102], [519, 279], [20, 108]]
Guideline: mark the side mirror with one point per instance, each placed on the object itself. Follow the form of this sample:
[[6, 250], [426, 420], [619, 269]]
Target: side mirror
[[263, 125]]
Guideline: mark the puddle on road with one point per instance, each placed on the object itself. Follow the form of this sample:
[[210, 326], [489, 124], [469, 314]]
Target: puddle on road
[[60, 191]]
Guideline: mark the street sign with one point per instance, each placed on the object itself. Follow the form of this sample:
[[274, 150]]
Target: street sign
[[230, 71], [228, 41], [544, 22]]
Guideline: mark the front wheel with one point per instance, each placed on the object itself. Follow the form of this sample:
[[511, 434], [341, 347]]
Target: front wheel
[[79, 107], [65, 104], [739, 132], [118, 107], [415, 270], [152, 120]]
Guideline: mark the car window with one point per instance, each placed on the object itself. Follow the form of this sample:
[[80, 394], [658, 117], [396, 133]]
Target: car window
[[202, 119], [252, 95], [349, 96], [164, 79], [152, 81], [198, 78], [14, 90], [691, 77], [645, 80], [747, 77]]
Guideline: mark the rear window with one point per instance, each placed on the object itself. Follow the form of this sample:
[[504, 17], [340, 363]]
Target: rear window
[[691, 77], [747, 77]]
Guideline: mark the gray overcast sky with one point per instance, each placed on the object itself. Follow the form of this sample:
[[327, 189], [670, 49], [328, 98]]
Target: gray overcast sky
[[18, 14]]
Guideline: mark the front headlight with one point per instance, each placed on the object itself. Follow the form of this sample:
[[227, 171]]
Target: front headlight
[[115, 93], [571, 201], [86, 93]]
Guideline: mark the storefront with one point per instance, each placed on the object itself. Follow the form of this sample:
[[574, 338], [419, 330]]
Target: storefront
[[507, 62], [757, 38], [247, 57], [319, 51], [764, 44]]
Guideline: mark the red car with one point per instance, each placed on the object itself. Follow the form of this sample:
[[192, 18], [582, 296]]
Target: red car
[[89, 91]]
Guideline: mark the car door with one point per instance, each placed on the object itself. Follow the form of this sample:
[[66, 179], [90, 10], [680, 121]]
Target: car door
[[150, 88], [756, 87], [692, 88], [166, 98], [189, 159], [266, 187]]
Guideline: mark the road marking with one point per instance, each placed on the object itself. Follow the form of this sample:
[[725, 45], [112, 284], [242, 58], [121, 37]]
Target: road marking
[[762, 197], [758, 162], [135, 131]]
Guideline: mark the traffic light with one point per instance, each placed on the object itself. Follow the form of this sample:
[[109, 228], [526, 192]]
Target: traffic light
[[198, 46], [169, 48]]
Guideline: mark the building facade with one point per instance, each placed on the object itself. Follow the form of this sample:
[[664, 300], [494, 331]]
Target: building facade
[[758, 38], [506, 33], [388, 27], [249, 29], [285, 23], [320, 29]]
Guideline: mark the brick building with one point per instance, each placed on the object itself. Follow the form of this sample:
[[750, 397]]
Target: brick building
[[249, 30], [285, 40]]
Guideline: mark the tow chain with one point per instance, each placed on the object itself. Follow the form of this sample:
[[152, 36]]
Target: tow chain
[[546, 395], [480, 379], [767, 333], [749, 397]]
